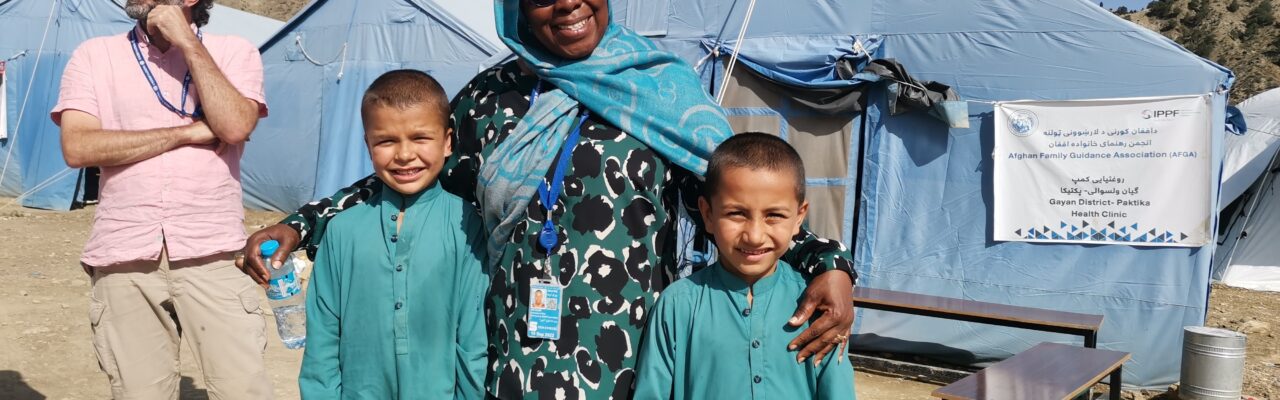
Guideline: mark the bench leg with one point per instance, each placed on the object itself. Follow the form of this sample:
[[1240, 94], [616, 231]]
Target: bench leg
[[1091, 340], [1115, 383]]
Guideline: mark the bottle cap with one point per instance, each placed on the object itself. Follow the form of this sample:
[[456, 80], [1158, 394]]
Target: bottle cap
[[269, 248]]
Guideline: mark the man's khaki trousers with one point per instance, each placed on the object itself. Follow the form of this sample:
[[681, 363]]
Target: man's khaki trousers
[[141, 311]]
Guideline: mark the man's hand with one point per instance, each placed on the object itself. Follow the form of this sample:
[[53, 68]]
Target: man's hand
[[198, 133], [830, 294], [252, 264], [169, 22]]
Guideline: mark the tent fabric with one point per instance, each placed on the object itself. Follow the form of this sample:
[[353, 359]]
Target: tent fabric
[[825, 139], [33, 149], [37, 168], [1251, 259], [476, 16], [924, 207], [1247, 256], [257, 29], [1249, 154], [1235, 121], [4, 101], [317, 68]]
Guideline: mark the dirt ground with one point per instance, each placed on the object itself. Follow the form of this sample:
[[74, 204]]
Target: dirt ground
[[1256, 314], [45, 349]]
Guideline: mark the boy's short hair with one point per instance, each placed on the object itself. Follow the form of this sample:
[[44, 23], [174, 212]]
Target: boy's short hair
[[404, 88], [754, 150]]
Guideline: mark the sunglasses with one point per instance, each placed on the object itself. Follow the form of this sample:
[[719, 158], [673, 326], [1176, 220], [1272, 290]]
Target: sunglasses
[[541, 3]]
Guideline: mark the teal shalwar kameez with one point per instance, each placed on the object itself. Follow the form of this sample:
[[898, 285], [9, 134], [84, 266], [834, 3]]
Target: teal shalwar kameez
[[398, 315], [704, 341]]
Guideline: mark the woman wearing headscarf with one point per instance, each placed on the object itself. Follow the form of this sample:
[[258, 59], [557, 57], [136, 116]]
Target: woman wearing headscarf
[[579, 155]]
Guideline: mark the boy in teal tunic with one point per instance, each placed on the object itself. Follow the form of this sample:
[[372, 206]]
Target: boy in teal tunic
[[395, 306], [722, 332]]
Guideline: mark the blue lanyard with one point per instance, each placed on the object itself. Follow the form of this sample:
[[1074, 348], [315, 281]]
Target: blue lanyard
[[549, 195], [155, 87]]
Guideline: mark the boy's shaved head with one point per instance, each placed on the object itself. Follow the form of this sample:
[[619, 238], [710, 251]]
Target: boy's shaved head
[[754, 150], [405, 88]]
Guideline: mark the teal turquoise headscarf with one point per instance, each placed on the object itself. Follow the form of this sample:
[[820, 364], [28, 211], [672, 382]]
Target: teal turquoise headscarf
[[648, 93]]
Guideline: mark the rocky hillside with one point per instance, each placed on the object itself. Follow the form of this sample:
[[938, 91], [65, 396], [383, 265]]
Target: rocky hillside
[[1243, 35], [278, 9]]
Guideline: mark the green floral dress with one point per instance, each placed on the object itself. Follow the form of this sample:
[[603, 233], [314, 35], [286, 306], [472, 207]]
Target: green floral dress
[[617, 246]]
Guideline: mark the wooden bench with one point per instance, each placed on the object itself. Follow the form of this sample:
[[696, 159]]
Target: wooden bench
[[1046, 371], [1084, 325]]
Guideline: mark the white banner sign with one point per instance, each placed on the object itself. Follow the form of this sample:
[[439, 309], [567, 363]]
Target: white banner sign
[[1130, 171]]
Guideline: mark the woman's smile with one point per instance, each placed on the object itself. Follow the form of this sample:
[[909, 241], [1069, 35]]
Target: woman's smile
[[574, 31], [570, 29]]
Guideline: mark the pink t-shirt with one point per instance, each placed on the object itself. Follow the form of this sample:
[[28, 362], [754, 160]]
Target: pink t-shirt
[[189, 198]]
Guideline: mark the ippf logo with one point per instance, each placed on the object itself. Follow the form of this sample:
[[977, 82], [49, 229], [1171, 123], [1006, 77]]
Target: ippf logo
[[1165, 114], [1023, 122]]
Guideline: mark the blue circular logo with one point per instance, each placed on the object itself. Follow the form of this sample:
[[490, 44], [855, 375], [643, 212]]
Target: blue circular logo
[[1023, 123]]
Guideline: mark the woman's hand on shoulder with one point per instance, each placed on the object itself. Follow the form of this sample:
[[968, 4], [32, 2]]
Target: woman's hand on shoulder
[[830, 295]]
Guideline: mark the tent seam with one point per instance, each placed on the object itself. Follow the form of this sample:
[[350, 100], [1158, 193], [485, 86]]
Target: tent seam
[[874, 269]]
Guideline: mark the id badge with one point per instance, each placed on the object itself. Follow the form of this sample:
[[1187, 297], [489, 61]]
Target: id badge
[[544, 309]]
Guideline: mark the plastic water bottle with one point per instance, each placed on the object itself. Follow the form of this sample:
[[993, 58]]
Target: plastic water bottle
[[284, 292]]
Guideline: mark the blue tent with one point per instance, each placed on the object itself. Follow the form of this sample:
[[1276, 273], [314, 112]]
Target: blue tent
[[257, 29], [919, 217], [38, 38], [317, 69], [923, 222]]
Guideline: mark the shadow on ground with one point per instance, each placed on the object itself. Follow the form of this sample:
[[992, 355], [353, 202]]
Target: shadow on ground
[[187, 390], [13, 387]]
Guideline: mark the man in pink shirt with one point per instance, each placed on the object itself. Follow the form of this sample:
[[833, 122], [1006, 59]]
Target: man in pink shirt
[[164, 110]]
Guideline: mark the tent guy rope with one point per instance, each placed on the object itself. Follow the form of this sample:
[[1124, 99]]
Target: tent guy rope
[[342, 55], [22, 110], [39, 187], [297, 39], [733, 59], [1253, 207]]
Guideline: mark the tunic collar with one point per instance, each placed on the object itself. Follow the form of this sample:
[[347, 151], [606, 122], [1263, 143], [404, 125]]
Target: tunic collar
[[415, 207], [393, 200], [736, 284]]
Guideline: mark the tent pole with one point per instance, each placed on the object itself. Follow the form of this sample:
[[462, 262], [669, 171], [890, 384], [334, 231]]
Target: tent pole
[[1253, 206], [857, 184]]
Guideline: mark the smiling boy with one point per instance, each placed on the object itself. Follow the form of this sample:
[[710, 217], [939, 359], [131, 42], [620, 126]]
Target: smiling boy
[[722, 332], [394, 308]]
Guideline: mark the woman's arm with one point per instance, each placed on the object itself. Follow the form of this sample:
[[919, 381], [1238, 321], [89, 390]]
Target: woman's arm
[[305, 226]]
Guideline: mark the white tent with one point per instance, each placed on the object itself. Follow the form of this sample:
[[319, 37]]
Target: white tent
[[1248, 255], [1249, 154]]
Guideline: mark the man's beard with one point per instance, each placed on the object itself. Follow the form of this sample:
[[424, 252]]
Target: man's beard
[[138, 9]]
